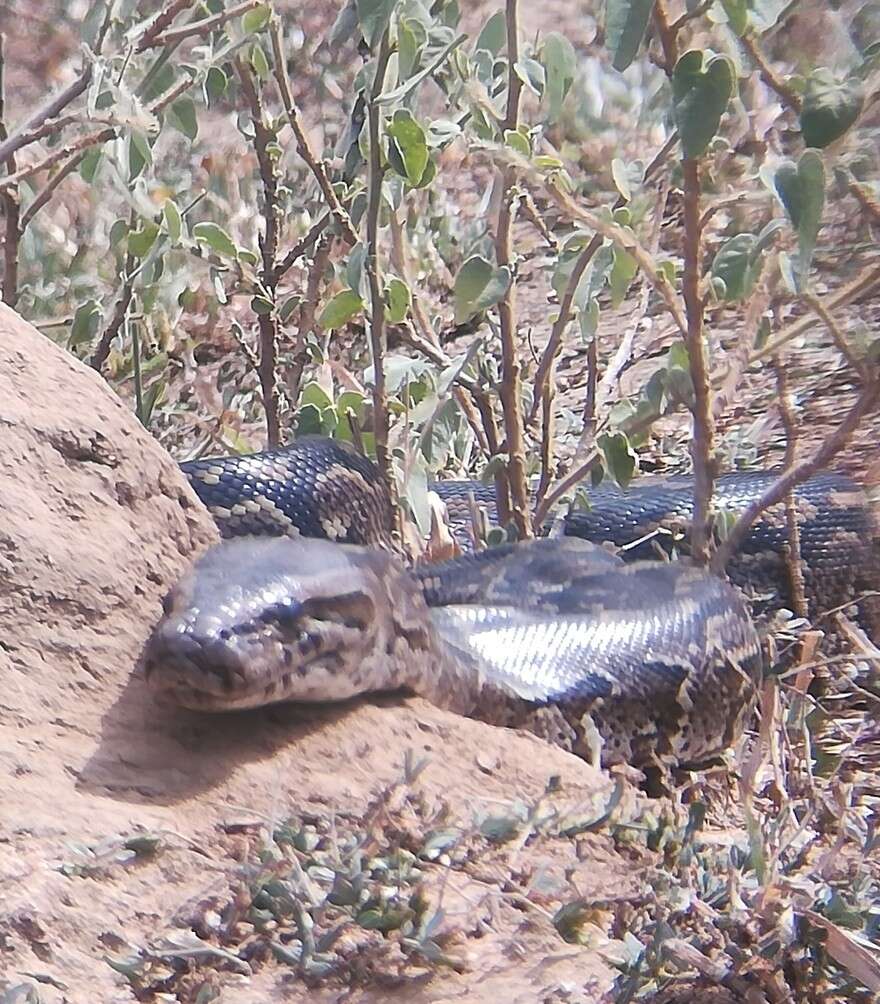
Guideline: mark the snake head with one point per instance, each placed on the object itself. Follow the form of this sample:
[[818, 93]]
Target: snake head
[[258, 621]]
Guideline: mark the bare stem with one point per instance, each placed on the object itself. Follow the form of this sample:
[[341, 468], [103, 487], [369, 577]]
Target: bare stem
[[554, 343], [822, 311], [267, 320], [302, 246], [668, 36], [21, 136], [10, 202], [865, 281], [511, 384], [203, 27], [791, 99], [120, 311], [83, 143], [302, 142], [160, 22], [378, 334], [795, 569], [704, 423]]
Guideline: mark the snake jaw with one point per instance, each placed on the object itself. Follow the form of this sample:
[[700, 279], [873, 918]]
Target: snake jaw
[[258, 621]]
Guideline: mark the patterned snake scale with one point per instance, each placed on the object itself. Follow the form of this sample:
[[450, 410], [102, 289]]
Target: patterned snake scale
[[639, 661]]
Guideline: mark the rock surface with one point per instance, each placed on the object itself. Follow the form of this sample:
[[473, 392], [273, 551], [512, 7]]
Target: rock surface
[[96, 524]]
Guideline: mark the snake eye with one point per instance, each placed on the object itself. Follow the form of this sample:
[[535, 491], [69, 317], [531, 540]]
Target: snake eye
[[352, 610]]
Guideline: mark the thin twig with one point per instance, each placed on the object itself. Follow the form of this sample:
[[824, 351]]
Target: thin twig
[[267, 320], [862, 284], [821, 310], [862, 194], [378, 336], [727, 386], [793, 558], [789, 479], [580, 471], [120, 311], [554, 343], [203, 27], [302, 142], [302, 246], [10, 202], [48, 190], [668, 36], [160, 22], [627, 241], [21, 136], [83, 143], [791, 99], [511, 385], [307, 313], [703, 420]]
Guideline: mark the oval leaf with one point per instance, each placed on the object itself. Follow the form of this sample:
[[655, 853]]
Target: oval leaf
[[829, 108], [700, 95], [215, 237], [625, 24], [340, 309]]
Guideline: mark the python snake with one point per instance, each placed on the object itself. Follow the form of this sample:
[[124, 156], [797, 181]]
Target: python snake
[[639, 661]]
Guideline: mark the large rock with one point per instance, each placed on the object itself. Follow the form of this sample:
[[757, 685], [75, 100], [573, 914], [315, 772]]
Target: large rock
[[96, 522]]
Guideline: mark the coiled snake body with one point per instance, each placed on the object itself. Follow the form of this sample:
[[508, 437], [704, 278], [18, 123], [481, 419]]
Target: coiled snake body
[[642, 661]]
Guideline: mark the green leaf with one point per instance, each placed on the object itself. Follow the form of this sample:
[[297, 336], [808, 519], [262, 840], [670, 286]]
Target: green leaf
[[623, 271], [340, 309], [410, 41], [310, 421], [801, 190], [173, 221], [258, 60], [531, 73], [215, 84], [182, 115], [493, 37], [374, 17], [410, 144], [737, 12], [700, 94], [355, 269], [830, 108], [735, 267], [478, 286], [262, 306], [619, 456], [256, 19], [88, 167], [140, 241], [85, 323], [560, 64], [516, 141], [625, 24], [216, 238], [621, 181], [314, 393], [397, 300], [139, 153], [118, 231]]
